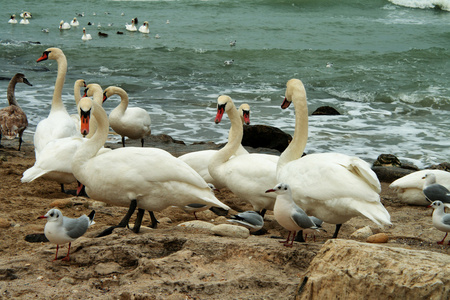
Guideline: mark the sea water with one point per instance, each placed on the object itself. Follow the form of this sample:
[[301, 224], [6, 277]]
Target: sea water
[[384, 65]]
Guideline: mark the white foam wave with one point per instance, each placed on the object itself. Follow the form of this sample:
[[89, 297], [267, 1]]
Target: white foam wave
[[423, 4]]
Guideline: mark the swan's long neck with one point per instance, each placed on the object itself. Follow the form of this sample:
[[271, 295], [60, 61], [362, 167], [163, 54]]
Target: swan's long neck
[[90, 148], [122, 107], [57, 104], [234, 138], [11, 92], [76, 91], [298, 143]]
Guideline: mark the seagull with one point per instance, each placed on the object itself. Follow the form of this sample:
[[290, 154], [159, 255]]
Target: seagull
[[228, 62], [288, 214], [232, 43], [329, 64], [45, 30], [434, 191], [250, 219], [60, 230], [441, 220]]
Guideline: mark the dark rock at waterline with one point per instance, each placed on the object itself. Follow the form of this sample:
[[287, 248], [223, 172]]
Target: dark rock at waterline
[[388, 168], [263, 136], [326, 110], [445, 166]]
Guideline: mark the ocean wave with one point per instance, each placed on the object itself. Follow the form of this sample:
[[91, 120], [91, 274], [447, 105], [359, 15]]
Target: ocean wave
[[423, 4]]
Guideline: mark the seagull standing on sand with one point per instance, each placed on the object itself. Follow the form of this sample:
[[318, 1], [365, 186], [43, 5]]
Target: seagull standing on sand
[[250, 219], [288, 214], [441, 220], [434, 191], [60, 230]]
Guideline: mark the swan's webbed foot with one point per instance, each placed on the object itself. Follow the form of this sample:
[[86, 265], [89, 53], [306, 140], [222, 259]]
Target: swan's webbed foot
[[123, 223]]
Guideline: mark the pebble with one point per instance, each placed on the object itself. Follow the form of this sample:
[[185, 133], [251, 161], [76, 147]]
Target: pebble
[[197, 224], [62, 203], [231, 231], [378, 238], [4, 223], [107, 268], [362, 233]]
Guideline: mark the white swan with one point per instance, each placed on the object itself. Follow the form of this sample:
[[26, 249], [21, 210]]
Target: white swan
[[199, 160], [58, 124], [86, 36], [247, 175], [24, 21], [144, 28], [64, 25], [331, 186], [131, 122], [127, 175], [13, 20], [131, 27], [13, 120], [74, 22], [409, 188], [94, 91], [55, 160]]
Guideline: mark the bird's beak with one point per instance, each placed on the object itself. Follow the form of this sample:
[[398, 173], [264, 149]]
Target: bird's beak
[[42, 217], [220, 111], [285, 103], [246, 117], [270, 191]]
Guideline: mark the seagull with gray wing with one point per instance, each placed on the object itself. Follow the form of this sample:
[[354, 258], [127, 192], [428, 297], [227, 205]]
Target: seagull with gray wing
[[60, 230]]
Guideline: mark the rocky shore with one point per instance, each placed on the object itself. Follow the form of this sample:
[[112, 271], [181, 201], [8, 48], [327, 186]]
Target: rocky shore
[[182, 262]]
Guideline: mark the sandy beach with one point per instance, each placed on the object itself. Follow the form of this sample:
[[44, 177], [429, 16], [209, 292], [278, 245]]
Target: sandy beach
[[170, 262]]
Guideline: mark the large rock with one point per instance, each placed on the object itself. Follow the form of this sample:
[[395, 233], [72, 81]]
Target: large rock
[[265, 136], [345, 269]]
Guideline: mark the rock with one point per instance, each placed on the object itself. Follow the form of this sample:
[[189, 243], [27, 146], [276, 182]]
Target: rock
[[4, 223], [265, 136], [231, 231], [325, 110], [390, 174], [97, 204], [197, 224], [445, 166], [62, 203], [362, 233], [345, 269], [107, 268], [389, 168], [378, 238]]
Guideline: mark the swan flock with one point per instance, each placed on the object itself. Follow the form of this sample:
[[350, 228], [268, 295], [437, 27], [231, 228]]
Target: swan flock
[[329, 187]]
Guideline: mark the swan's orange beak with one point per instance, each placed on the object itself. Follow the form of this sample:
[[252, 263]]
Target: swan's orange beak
[[85, 117], [85, 93], [285, 103], [104, 97], [44, 56], [220, 111], [246, 114]]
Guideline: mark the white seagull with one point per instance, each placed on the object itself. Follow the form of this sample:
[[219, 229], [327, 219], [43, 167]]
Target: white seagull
[[288, 214], [60, 230], [249, 219], [441, 220]]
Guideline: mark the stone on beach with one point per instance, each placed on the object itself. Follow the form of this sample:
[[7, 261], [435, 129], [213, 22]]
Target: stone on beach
[[345, 269], [231, 231]]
